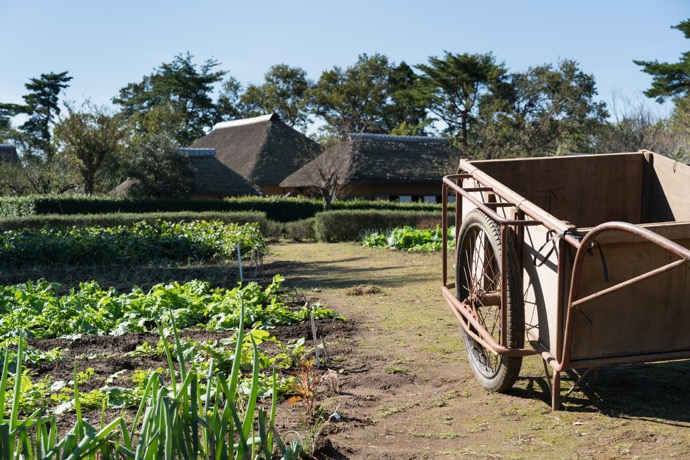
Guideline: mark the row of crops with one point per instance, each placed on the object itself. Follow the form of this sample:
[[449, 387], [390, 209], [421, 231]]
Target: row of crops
[[409, 239], [213, 398], [131, 243]]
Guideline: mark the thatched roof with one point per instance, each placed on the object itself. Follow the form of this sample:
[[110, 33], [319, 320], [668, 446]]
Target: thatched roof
[[8, 154], [263, 149], [212, 178], [381, 159]]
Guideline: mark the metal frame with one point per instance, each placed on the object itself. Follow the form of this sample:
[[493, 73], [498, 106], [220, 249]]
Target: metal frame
[[535, 216]]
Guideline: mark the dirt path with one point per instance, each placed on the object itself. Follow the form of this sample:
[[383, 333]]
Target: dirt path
[[406, 390]]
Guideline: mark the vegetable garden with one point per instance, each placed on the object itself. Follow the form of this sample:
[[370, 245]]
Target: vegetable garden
[[200, 374]]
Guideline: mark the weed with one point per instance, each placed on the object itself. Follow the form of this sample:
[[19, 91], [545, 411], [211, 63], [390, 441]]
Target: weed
[[397, 366], [306, 388]]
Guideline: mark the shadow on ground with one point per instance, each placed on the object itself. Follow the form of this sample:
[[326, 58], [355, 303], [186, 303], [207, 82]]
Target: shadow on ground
[[656, 391]]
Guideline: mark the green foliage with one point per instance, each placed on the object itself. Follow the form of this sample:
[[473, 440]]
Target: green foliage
[[159, 170], [41, 105], [367, 97], [669, 79], [180, 87], [276, 208], [16, 207], [283, 92], [36, 308], [547, 110], [410, 239], [112, 220], [454, 86], [196, 416], [135, 242], [351, 225], [91, 139], [301, 230]]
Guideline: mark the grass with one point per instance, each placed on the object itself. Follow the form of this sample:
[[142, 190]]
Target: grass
[[413, 320]]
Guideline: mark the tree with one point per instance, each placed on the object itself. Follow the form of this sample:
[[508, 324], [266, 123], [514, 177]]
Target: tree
[[634, 125], [547, 110], [406, 112], [284, 92], [360, 99], [41, 105], [182, 87], [555, 109], [159, 170], [669, 79], [455, 84], [5, 122], [228, 106], [92, 140]]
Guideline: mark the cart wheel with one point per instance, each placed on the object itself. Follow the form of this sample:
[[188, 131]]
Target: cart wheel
[[478, 281]]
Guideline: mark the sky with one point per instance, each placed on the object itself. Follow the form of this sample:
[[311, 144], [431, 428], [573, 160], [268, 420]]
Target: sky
[[104, 45]]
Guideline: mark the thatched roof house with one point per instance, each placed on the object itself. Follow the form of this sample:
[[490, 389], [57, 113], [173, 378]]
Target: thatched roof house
[[212, 178], [373, 166], [264, 150], [8, 154]]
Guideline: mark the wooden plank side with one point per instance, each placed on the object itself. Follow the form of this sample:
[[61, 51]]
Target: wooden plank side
[[584, 190], [670, 191], [649, 317], [540, 287]]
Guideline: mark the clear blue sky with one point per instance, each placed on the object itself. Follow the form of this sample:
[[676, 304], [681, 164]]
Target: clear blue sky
[[105, 44]]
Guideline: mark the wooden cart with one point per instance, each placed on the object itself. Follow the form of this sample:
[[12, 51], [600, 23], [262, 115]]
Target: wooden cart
[[583, 259]]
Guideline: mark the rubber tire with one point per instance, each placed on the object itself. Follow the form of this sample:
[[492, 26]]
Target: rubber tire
[[507, 369]]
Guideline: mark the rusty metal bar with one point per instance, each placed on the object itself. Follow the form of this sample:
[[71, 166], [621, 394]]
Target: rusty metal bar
[[444, 236], [499, 204], [645, 358], [631, 281], [478, 189], [524, 205], [484, 338], [504, 285], [481, 205]]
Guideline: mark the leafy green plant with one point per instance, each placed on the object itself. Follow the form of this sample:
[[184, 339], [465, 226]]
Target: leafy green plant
[[409, 239], [136, 242], [184, 419], [36, 308]]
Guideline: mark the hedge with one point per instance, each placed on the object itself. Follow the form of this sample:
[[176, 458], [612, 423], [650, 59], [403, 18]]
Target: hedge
[[336, 226], [276, 208], [109, 220]]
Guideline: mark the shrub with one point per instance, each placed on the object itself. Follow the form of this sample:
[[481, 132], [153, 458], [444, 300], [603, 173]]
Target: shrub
[[351, 225], [109, 220], [301, 230], [276, 208]]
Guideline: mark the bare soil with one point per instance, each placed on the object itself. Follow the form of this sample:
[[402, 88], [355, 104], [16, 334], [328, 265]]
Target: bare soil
[[405, 389]]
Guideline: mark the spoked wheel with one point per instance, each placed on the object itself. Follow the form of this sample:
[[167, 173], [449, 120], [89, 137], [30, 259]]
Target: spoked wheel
[[478, 282]]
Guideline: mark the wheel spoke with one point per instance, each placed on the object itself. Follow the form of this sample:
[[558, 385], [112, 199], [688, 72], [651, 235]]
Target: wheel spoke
[[480, 276]]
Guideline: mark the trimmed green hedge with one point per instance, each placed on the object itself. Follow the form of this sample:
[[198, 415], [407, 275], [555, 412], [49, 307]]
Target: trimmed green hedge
[[109, 220], [336, 226], [276, 208]]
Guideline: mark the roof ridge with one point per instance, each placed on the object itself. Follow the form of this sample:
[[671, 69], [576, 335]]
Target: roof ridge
[[391, 137], [245, 121]]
